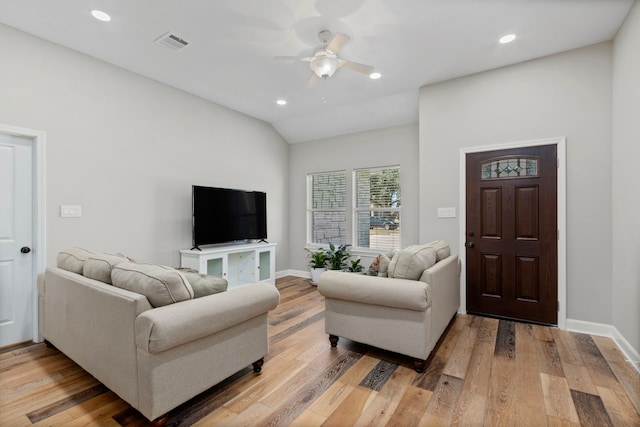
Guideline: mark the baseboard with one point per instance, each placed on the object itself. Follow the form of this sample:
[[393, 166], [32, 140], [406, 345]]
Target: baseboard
[[297, 273], [610, 331]]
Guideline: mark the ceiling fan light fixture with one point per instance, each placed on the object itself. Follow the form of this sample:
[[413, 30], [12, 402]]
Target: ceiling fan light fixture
[[324, 64]]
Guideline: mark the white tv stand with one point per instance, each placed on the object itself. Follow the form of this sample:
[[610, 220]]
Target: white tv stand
[[240, 263]]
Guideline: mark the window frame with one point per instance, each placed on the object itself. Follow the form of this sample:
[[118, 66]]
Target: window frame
[[356, 210], [311, 210]]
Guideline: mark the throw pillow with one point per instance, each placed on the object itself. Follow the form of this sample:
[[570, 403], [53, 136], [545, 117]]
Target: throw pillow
[[409, 263], [379, 266], [99, 266], [73, 259], [161, 285], [203, 284]]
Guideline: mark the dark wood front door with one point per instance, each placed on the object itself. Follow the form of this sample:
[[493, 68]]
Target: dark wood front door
[[512, 234]]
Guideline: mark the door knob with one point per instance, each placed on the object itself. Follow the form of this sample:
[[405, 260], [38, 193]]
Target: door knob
[[25, 249], [469, 244]]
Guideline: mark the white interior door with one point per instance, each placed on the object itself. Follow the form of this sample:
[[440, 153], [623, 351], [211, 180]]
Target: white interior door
[[16, 240]]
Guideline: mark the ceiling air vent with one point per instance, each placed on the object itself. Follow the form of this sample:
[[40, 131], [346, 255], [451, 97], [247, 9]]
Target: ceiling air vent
[[172, 41]]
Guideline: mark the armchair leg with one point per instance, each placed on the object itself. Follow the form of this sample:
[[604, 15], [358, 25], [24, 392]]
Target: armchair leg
[[160, 421], [419, 365], [257, 365], [333, 340]]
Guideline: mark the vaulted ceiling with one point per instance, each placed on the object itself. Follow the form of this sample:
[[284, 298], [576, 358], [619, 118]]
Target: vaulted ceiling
[[231, 47]]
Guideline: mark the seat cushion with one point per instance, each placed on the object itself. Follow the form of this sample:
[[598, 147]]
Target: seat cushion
[[73, 259], [99, 266], [160, 284], [409, 263]]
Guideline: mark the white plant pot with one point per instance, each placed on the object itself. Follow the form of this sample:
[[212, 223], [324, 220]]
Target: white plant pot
[[315, 275]]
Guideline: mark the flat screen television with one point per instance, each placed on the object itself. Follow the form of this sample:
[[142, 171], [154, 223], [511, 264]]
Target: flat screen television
[[222, 215]]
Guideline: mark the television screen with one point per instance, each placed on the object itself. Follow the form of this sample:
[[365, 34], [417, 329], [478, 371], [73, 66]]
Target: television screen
[[223, 215]]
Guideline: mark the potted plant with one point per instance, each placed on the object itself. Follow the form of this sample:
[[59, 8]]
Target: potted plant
[[317, 264], [355, 266], [337, 257]]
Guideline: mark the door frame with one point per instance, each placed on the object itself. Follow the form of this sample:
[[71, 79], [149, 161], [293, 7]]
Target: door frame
[[560, 143], [38, 139]]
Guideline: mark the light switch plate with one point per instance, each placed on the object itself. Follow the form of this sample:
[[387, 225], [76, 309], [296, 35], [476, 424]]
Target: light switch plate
[[446, 212], [70, 211]]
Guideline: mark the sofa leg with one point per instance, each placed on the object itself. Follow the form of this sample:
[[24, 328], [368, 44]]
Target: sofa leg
[[160, 421], [419, 365], [49, 345], [257, 365], [333, 340]]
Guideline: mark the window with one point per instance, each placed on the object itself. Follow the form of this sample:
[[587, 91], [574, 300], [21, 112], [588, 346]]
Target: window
[[327, 207], [377, 208]]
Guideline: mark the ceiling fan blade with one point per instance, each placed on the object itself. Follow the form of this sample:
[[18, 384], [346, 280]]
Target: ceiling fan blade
[[313, 81], [337, 42], [293, 58], [354, 66]]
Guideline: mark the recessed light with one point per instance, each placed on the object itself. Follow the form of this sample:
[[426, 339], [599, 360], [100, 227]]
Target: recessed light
[[100, 15], [281, 102], [507, 38], [375, 76]]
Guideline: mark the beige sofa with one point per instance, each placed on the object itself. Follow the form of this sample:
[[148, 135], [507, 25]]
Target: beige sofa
[[155, 358], [403, 315]]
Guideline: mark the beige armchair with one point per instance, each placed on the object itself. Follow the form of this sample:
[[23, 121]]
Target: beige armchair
[[402, 315]]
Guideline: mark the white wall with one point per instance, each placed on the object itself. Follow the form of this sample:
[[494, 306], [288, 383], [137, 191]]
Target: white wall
[[569, 95], [386, 147], [128, 149], [626, 176]]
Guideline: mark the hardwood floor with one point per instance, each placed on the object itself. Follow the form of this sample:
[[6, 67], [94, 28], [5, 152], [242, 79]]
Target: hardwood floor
[[483, 372]]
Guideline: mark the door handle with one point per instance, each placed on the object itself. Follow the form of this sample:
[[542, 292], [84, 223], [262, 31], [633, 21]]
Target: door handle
[[469, 245], [25, 249]]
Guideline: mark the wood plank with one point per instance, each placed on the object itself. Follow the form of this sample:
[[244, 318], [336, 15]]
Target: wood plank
[[591, 410], [578, 378], [549, 358], [300, 396], [333, 397], [443, 402], [308, 419], [351, 407], [619, 407], [566, 347], [557, 398], [472, 403], [530, 410], [501, 408], [625, 373], [411, 407], [381, 408], [66, 403], [459, 360], [379, 375], [598, 368]]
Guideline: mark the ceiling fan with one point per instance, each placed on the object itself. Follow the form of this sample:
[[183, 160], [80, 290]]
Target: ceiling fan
[[325, 61]]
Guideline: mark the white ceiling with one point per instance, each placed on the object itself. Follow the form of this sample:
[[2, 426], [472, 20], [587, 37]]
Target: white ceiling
[[233, 42]]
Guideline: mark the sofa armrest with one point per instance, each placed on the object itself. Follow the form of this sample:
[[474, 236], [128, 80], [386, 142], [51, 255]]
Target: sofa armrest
[[444, 278], [172, 325], [383, 291]]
